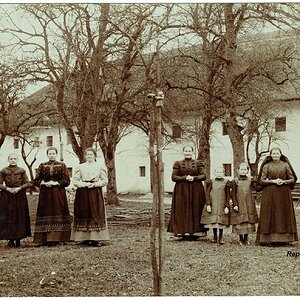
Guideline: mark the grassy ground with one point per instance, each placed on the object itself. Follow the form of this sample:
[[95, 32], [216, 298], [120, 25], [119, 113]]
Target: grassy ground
[[122, 267]]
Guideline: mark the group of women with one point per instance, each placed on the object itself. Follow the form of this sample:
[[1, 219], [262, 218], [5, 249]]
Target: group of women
[[54, 224], [197, 207]]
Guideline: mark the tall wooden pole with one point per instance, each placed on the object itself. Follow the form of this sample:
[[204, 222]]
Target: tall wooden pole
[[160, 188], [158, 222], [154, 219]]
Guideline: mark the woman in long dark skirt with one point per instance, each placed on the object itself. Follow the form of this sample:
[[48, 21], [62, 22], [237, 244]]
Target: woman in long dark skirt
[[14, 213], [90, 224], [188, 196], [53, 220], [277, 224]]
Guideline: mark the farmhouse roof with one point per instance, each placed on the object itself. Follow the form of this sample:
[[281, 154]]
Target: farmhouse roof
[[46, 95]]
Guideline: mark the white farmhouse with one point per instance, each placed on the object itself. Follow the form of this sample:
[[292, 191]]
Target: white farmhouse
[[132, 159]]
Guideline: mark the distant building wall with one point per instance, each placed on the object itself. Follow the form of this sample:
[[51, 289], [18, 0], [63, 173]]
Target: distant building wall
[[132, 158]]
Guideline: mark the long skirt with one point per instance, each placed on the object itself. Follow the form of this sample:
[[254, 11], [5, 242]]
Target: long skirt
[[187, 205], [277, 222], [243, 228], [14, 216], [89, 216], [53, 220], [216, 226]]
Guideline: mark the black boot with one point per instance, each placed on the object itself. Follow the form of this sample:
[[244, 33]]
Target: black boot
[[18, 243], [215, 238], [94, 244], [241, 240], [221, 240], [85, 243], [52, 244], [246, 241], [11, 244]]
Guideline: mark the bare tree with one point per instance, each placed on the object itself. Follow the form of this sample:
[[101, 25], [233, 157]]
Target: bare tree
[[130, 76], [219, 68], [33, 151], [11, 90], [89, 53]]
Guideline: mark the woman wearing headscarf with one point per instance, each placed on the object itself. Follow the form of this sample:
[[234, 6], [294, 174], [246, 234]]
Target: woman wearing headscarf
[[277, 224]]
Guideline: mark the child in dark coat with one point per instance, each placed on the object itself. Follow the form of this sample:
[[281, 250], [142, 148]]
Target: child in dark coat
[[244, 214], [216, 212]]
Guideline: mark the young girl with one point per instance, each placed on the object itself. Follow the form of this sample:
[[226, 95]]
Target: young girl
[[14, 213], [216, 213], [244, 214]]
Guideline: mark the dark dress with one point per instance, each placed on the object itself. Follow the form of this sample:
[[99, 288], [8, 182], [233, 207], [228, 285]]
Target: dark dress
[[277, 216], [14, 213], [90, 221], [53, 220], [188, 198], [217, 192], [243, 221]]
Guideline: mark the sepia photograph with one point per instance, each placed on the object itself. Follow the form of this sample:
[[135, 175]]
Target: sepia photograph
[[149, 149]]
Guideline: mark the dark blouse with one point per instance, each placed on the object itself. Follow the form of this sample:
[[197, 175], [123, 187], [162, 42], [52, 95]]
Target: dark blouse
[[52, 170], [190, 167], [274, 170], [13, 176]]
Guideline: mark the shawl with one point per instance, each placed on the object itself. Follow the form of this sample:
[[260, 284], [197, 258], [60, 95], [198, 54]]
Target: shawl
[[269, 159]]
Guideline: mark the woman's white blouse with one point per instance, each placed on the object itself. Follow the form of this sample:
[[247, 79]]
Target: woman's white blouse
[[90, 172]]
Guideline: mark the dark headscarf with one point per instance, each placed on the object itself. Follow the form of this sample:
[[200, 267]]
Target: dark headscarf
[[269, 159]]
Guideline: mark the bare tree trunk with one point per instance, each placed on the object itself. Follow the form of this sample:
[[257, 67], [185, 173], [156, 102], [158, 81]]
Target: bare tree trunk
[[2, 139], [237, 142], [234, 130], [60, 94], [111, 188], [28, 165], [258, 153], [204, 143], [31, 176], [109, 152]]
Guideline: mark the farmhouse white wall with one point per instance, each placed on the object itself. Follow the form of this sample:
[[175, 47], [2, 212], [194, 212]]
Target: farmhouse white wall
[[132, 152]]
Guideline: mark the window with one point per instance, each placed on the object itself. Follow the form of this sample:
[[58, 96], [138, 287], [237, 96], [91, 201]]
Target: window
[[49, 141], [280, 124], [16, 143], [225, 132], [176, 132], [36, 142], [142, 171], [227, 169], [70, 171]]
